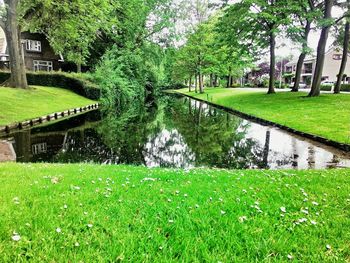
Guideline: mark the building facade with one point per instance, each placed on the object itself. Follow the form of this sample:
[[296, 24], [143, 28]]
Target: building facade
[[37, 52], [330, 69]]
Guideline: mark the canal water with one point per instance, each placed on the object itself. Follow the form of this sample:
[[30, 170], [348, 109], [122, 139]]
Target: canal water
[[175, 132]]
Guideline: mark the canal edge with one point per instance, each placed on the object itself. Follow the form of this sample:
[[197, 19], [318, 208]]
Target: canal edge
[[47, 118], [340, 146]]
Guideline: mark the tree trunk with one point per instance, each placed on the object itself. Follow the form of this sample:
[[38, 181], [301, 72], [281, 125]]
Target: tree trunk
[[190, 84], [12, 30], [201, 88], [344, 58], [216, 81], [272, 63], [195, 83], [228, 81], [321, 49], [301, 57]]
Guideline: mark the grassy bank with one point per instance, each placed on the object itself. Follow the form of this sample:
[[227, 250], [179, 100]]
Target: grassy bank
[[60, 213], [327, 116], [18, 104]]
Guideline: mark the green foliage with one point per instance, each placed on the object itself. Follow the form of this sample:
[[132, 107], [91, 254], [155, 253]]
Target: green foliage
[[345, 87], [204, 53], [71, 26], [326, 87], [125, 76]]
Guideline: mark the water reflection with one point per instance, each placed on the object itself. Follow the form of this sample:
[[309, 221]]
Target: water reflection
[[175, 132]]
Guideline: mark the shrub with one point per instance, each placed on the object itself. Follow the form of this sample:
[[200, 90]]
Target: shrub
[[74, 82], [326, 87], [345, 87]]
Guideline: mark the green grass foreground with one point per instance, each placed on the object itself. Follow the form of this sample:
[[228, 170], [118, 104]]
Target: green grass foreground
[[85, 213], [327, 115], [19, 105]]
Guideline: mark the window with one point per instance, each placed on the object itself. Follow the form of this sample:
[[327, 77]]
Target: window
[[40, 65], [39, 148], [33, 45], [337, 57]]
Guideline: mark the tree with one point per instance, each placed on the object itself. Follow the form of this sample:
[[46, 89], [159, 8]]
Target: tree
[[346, 39], [304, 13], [12, 29], [256, 24], [326, 23], [70, 26]]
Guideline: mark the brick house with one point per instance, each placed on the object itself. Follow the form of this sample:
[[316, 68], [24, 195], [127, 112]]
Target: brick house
[[38, 54]]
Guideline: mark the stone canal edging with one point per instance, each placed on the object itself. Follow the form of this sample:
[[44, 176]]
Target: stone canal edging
[[7, 153], [47, 118], [341, 146]]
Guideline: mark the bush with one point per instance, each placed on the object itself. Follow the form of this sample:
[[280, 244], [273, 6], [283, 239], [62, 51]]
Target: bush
[[283, 86], [326, 87], [74, 82], [345, 87]]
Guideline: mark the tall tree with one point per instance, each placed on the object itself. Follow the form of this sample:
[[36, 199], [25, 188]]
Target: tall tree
[[345, 45], [12, 29], [321, 48], [304, 13], [344, 57]]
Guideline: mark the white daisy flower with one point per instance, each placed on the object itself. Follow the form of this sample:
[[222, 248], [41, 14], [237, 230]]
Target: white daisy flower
[[242, 219], [16, 237]]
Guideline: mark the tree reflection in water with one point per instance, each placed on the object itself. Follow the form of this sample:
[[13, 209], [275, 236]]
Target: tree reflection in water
[[174, 132]]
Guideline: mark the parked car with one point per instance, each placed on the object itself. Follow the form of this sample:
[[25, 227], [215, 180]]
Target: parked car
[[302, 85], [327, 83]]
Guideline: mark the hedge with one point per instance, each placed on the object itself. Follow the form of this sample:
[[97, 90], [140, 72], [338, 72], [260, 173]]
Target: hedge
[[326, 87], [345, 87], [61, 80]]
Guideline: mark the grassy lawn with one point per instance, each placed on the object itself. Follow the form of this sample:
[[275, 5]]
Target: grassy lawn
[[84, 213], [18, 104], [327, 116]]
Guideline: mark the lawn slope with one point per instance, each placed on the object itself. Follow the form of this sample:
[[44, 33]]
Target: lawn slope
[[84, 213], [327, 115], [18, 104]]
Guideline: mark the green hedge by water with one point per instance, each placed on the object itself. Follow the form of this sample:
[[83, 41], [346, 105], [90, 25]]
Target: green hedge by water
[[61, 80]]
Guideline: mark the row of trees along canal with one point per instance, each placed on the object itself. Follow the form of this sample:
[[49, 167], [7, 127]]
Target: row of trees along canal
[[235, 36]]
